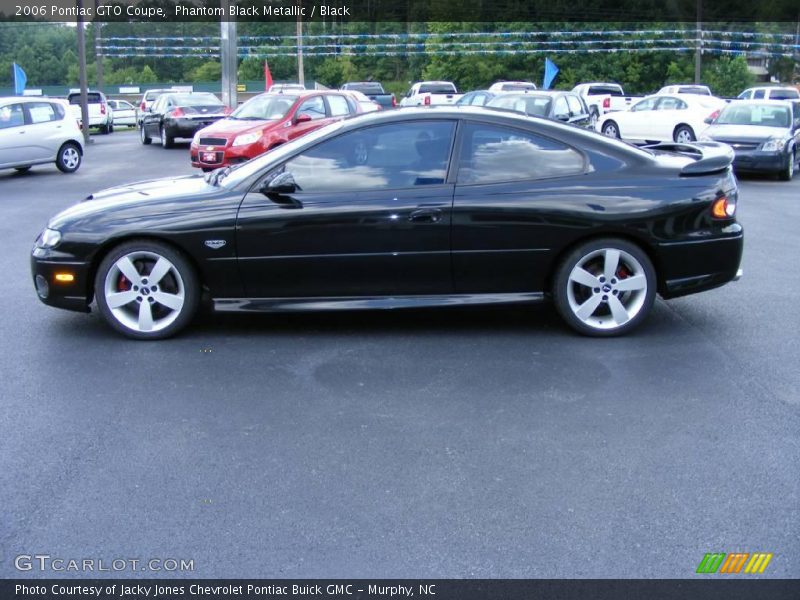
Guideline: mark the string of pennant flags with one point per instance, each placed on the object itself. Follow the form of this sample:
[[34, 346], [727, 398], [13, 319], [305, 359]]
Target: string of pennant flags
[[404, 44]]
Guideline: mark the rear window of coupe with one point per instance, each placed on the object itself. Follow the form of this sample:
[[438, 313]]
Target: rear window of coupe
[[496, 154]]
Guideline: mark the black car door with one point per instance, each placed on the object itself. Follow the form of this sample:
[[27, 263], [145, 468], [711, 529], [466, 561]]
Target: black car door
[[370, 217], [151, 121], [512, 189]]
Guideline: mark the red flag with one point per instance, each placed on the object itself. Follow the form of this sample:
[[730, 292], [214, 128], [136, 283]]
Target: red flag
[[267, 76]]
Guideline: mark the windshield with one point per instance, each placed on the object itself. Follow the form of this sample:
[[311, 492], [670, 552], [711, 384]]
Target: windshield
[[787, 94], [264, 108], [366, 88], [245, 170], [437, 88], [91, 98], [602, 90], [517, 87], [694, 89], [196, 99], [537, 106], [766, 116]]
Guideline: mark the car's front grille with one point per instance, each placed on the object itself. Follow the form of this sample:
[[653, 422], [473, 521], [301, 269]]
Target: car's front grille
[[209, 141], [740, 145]]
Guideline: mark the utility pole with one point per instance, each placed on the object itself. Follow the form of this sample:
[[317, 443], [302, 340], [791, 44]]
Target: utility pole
[[301, 76], [98, 52], [698, 48], [82, 73], [228, 49]]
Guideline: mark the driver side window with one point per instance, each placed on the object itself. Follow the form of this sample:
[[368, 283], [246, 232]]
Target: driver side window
[[313, 107], [647, 104], [394, 156]]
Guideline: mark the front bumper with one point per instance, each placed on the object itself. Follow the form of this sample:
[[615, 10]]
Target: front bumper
[[70, 295], [758, 161], [223, 156]]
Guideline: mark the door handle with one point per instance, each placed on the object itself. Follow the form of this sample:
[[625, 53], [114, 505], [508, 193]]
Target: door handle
[[426, 215]]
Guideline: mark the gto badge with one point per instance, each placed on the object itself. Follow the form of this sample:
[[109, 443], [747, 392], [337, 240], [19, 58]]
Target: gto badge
[[210, 148], [215, 244]]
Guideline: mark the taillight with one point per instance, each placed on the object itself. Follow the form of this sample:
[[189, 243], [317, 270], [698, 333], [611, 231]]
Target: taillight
[[177, 112], [394, 101], [723, 208], [142, 106], [227, 110], [427, 101], [714, 115], [102, 108], [606, 102]]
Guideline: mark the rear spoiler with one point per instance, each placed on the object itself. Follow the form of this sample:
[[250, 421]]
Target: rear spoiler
[[709, 157]]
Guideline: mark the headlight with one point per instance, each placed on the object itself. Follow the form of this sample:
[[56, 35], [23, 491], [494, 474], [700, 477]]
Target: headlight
[[773, 145], [247, 138], [49, 238]]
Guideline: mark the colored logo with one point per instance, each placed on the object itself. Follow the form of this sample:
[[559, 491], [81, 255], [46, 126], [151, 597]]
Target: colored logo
[[733, 563]]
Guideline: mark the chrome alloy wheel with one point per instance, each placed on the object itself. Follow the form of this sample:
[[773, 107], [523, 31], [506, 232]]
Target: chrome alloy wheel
[[144, 291], [684, 136], [606, 288], [71, 158]]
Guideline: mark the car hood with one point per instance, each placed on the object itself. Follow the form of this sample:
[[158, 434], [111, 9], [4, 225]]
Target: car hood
[[744, 133], [235, 126], [153, 191]]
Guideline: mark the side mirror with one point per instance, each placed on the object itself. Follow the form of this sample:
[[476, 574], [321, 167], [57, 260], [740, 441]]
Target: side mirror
[[562, 117], [708, 120], [280, 185], [302, 118]]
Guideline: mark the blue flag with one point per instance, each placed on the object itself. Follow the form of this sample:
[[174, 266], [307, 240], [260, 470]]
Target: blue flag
[[550, 72], [20, 79]]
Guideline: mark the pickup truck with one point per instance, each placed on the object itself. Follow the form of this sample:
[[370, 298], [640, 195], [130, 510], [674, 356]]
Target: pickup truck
[[603, 98], [372, 90], [100, 113], [431, 93]]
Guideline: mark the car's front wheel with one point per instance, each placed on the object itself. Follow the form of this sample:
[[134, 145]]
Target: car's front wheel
[[788, 171], [611, 129], [605, 287], [146, 290], [68, 158]]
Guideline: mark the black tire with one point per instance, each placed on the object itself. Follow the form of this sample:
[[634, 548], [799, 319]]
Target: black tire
[[149, 252], [69, 157], [146, 140], [788, 171], [611, 129], [111, 128], [22, 169], [570, 295], [166, 141], [683, 130]]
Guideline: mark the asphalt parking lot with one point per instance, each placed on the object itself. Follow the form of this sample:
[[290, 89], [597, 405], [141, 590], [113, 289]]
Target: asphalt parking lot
[[436, 443]]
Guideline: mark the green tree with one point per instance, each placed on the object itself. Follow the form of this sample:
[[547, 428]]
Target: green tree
[[728, 76]]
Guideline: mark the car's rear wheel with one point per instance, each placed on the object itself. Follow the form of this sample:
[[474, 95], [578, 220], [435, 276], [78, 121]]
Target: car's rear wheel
[[146, 139], [788, 171], [146, 290], [166, 141], [68, 158], [611, 129], [605, 287], [683, 134]]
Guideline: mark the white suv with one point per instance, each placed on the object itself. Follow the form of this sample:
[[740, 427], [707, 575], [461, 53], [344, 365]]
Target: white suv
[[769, 93], [38, 130]]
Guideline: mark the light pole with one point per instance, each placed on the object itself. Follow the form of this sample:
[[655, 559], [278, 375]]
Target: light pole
[[228, 49], [82, 73], [301, 76]]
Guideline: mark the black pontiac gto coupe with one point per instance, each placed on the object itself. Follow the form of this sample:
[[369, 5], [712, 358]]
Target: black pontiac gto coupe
[[420, 207]]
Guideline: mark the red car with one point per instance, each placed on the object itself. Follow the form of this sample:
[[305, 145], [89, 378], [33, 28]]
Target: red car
[[266, 121]]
